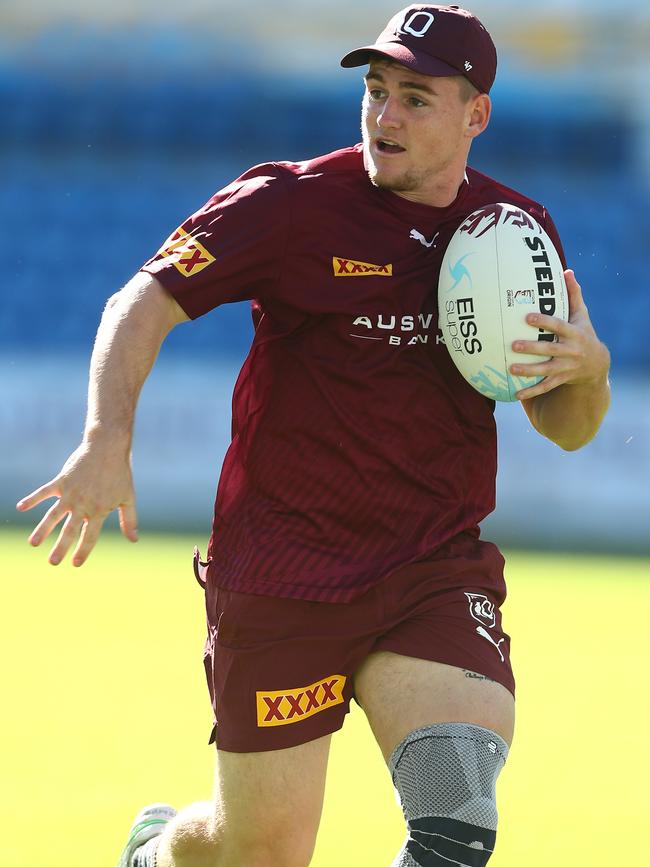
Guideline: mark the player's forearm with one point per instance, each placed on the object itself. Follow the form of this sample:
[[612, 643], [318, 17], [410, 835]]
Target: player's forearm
[[134, 324], [571, 414]]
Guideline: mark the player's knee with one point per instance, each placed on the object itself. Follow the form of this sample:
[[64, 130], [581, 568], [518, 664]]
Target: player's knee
[[445, 776]]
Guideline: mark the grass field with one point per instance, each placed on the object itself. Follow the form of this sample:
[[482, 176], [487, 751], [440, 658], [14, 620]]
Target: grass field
[[104, 708]]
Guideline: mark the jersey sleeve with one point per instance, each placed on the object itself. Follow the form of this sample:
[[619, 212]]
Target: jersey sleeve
[[229, 250]]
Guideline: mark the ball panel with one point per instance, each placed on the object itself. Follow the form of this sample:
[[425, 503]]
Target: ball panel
[[462, 305], [517, 297], [499, 266], [499, 386]]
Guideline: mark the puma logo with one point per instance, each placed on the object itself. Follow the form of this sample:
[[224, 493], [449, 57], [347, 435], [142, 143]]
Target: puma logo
[[418, 236], [485, 634]]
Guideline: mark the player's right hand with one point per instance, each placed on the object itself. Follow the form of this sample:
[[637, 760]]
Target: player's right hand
[[93, 482]]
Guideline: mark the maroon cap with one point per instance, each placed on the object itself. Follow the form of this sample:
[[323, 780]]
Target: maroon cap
[[435, 40]]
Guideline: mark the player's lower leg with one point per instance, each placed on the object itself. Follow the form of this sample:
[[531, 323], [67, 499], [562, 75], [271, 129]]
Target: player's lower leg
[[266, 810], [446, 775], [199, 837]]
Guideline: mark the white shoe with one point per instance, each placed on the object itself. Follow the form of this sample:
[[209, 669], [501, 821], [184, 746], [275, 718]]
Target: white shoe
[[149, 822]]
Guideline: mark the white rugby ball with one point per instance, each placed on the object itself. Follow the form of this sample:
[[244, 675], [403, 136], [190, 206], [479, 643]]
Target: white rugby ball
[[499, 266]]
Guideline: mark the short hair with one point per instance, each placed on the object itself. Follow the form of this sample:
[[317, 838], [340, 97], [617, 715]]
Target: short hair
[[466, 89]]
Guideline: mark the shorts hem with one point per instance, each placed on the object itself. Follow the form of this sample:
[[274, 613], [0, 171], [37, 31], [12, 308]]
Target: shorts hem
[[268, 740]]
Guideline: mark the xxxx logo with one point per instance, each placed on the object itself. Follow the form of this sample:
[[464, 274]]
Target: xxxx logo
[[186, 253], [284, 707], [351, 268]]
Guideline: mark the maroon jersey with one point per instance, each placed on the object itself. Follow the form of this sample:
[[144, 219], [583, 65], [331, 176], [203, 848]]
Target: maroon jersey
[[357, 446]]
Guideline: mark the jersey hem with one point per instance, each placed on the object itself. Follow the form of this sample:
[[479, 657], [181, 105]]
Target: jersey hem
[[319, 593]]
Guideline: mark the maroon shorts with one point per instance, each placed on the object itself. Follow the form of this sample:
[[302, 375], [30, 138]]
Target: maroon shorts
[[280, 671]]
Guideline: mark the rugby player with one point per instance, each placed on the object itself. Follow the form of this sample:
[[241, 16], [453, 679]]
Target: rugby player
[[345, 559]]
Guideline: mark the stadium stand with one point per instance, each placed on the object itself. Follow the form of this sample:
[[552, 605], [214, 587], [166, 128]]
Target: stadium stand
[[100, 167]]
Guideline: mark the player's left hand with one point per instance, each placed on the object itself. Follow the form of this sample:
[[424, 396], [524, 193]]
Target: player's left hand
[[577, 357]]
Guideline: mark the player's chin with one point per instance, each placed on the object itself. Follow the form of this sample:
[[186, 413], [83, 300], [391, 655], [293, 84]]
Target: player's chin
[[396, 182]]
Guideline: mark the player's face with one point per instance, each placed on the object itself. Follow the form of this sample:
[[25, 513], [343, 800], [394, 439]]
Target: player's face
[[417, 130]]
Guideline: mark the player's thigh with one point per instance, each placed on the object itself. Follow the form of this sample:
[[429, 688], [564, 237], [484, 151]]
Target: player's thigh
[[400, 694], [276, 792]]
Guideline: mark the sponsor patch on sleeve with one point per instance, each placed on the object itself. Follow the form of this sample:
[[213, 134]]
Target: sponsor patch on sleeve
[[186, 253]]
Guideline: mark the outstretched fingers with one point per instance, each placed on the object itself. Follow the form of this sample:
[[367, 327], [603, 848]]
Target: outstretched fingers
[[79, 526], [129, 521], [51, 489], [87, 540], [93, 482], [54, 515], [67, 536]]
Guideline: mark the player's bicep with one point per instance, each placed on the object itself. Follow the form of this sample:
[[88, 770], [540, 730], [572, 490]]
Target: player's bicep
[[164, 301], [145, 297]]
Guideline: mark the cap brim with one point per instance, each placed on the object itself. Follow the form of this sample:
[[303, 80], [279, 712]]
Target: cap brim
[[420, 62]]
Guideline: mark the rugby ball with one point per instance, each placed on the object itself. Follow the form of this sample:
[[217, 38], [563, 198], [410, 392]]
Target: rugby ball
[[499, 266]]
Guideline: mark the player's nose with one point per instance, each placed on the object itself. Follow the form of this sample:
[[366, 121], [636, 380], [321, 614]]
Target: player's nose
[[389, 116]]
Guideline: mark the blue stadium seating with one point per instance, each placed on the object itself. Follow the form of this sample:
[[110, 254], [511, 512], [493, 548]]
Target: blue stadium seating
[[99, 169]]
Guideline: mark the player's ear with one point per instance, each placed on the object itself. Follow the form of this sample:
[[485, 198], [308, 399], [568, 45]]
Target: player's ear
[[479, 111]]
